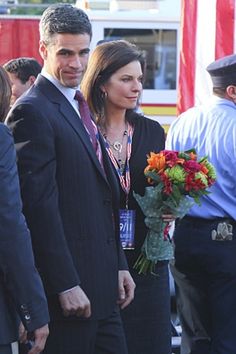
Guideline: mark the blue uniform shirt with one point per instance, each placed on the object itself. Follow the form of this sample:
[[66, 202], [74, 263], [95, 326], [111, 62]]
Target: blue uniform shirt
[[211, 130]]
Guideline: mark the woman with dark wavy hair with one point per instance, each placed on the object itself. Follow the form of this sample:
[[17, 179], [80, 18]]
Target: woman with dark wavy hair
[[112, 86], [5, 94]]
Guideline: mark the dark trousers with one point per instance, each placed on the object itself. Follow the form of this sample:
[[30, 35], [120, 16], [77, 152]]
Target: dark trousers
[[87, 336], [205, 273], [147, 319], [5, 349]]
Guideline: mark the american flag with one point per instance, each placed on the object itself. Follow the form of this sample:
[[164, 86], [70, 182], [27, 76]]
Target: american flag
[[207, 33]]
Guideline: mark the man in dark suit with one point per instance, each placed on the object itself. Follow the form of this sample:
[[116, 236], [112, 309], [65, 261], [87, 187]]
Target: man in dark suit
[[70, 196], [21, 290]]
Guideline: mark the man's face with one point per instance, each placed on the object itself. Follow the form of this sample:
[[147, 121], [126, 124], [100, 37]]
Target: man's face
[[17, 87], [66, 57]]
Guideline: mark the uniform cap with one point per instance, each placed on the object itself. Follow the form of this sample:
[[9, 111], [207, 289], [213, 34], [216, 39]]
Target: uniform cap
[[223, 71]]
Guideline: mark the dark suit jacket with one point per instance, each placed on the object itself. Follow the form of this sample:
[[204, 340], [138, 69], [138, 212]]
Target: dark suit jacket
[[21, 290], [70, 205]]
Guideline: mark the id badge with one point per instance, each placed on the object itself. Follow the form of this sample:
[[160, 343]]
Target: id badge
[[127, 227]]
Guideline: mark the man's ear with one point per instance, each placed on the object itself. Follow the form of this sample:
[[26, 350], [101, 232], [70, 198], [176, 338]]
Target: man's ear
[[231, 91], [43, 50], [32, 79]]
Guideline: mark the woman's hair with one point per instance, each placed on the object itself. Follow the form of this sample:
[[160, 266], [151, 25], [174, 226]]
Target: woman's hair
[[5, 94], [105, 60]]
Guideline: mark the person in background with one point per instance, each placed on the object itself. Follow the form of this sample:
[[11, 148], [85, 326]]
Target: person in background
[[21, 291], [70, 195], [5, 94], [205, 240], [22, 73], [112, 86]]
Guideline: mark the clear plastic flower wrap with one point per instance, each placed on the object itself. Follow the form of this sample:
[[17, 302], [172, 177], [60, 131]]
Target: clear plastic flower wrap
[[177, 181]]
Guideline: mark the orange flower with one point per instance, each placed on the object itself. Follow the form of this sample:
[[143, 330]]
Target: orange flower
[[204, 169], [180, 161], [192, 156], [156, 161], [147, 168]]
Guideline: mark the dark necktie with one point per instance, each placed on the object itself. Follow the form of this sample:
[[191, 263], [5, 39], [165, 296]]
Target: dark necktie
[[86, 118], [90, 127]]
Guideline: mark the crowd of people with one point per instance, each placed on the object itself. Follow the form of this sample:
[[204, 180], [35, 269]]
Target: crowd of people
[[67, 278]]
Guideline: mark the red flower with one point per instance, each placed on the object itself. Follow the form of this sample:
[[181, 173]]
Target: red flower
[[170, 155], [193, 184], [192, 166], [172, 158], [167, 183]]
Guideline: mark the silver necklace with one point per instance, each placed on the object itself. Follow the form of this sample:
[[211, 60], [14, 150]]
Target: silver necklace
[[117, 146]]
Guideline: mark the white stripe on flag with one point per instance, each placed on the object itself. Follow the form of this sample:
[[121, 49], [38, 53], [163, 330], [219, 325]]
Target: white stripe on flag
[[210, 35], [205, 48], [234, 43]]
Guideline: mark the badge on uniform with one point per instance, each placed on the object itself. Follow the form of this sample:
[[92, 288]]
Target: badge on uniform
[[127, 228], [224, 232]]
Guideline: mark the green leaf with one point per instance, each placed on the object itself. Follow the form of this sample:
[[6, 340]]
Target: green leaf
[[153, 175], [183, 155], [176, 195], [191, 150]]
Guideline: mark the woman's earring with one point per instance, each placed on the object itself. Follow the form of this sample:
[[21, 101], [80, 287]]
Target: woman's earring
[[105, 95]]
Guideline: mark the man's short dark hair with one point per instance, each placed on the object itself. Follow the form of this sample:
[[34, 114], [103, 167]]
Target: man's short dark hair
[[23, 68], [63, 18]]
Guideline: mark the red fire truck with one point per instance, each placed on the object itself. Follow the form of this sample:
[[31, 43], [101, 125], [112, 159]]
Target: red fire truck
[[157, 36]]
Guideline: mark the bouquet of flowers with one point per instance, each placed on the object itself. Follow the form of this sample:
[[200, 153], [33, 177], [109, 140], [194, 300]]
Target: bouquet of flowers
[[173, 177]]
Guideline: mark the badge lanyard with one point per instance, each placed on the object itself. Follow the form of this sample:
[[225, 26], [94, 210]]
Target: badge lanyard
[[127, 217], [124, 178]]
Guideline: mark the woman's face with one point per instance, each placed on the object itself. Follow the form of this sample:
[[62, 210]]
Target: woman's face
[[124, 87]]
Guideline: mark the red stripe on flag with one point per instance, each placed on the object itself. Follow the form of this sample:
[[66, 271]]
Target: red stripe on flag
[[187, 55], [225, 13]]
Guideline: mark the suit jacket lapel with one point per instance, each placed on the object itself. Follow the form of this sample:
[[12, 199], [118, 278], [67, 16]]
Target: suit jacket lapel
[[69, 114]]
